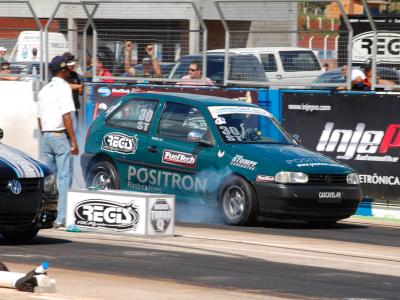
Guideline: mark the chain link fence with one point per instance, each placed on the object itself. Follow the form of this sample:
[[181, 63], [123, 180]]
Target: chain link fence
[[146, 40], [295, 41], [19, 59], [280, 43]]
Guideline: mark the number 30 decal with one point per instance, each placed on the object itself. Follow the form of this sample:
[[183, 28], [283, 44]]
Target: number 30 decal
[[231, 133], [145, 117]]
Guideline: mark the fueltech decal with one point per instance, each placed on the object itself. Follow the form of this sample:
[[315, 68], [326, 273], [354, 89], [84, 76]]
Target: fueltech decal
[[121, 143], [166, 179], [97, 213], [179, 158], [359, 144]]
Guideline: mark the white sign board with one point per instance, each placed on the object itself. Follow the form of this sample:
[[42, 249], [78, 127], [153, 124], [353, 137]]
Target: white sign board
[[387, 49], [122, 211]]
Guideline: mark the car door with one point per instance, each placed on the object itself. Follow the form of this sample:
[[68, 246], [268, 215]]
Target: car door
[[126, 136], [270, 66], [182, 153]]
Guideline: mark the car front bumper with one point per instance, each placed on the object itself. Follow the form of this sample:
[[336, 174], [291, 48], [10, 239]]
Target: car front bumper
[[307, 202], [31, 210]]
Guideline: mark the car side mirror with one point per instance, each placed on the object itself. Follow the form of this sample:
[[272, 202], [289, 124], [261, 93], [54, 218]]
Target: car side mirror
[[197, 136], [296, 138], [1, 133]]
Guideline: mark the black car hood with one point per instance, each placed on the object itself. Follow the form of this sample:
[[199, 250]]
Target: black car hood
[[16, 164]]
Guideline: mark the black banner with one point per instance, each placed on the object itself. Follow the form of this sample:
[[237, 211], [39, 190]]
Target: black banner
[[388, 40], [360, 130]]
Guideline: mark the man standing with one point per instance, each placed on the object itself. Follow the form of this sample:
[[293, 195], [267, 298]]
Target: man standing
[[55, 105], [2, 54]]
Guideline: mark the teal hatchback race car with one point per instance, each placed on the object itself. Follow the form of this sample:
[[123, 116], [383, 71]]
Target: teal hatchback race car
[[216, 150]]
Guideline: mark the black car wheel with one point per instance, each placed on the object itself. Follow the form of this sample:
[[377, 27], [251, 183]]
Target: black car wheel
[[238, 202], [103, 175], [19, 236]]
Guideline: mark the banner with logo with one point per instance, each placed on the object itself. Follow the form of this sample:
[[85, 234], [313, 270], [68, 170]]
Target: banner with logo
[[102, 95], [121, 212], [388, 40], [360, 130]]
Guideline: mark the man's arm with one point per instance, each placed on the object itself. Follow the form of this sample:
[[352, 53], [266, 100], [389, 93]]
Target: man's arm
[[70, 132], [154, 61]]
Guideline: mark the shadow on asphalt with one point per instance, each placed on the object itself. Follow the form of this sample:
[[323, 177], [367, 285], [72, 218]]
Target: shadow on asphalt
[[271, 224], [39, 240]]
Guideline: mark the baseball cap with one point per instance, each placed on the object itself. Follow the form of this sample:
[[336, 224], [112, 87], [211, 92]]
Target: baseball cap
[[146, 61], [57, 63], [70, 58], [3, 49]]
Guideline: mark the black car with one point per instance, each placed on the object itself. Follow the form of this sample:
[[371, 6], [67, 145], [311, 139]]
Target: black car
[[241, 67], [28, 195], [335, 76]]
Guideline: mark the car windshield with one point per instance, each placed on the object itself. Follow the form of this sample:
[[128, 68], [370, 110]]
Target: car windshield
[[334, 76], [246, 124]]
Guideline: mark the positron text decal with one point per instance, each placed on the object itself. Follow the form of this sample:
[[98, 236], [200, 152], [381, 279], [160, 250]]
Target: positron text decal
[[165, 180]]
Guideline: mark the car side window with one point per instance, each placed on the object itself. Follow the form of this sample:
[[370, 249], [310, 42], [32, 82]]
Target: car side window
[[178, 120], [136, 114], [269, 63]]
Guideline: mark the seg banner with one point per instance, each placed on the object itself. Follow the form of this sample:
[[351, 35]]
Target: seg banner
[[388, 40], [362, 131], [121, 212]]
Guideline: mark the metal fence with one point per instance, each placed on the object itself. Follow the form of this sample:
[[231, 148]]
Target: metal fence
[[13, 29], [292, 42]]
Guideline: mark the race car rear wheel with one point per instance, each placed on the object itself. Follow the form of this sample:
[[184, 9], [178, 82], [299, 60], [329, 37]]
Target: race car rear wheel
[[19, 236], [238, 202], [103, 176]]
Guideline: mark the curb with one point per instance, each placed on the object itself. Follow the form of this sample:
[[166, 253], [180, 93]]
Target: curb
[[368, 209]]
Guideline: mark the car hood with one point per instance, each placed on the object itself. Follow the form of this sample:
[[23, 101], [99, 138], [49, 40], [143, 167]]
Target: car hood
[[16, 164], [272, 158]]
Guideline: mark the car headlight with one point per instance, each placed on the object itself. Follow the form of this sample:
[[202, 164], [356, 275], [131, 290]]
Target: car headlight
[[50, 184], [352, 178], [291, 177]]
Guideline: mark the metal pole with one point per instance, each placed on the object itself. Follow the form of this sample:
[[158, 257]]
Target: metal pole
[[205, 39], [325, 45], [227, 41], [374, 43], [310, 42], [349, 44]]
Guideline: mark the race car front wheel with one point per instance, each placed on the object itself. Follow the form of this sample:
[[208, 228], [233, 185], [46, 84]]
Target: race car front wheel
[[238, 202], [103, 176]]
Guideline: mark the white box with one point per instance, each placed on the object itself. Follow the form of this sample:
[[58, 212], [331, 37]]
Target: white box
[[121, 211]]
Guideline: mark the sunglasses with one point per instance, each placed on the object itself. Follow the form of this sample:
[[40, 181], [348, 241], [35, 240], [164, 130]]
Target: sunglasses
[[193, 70], [5, 69]]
